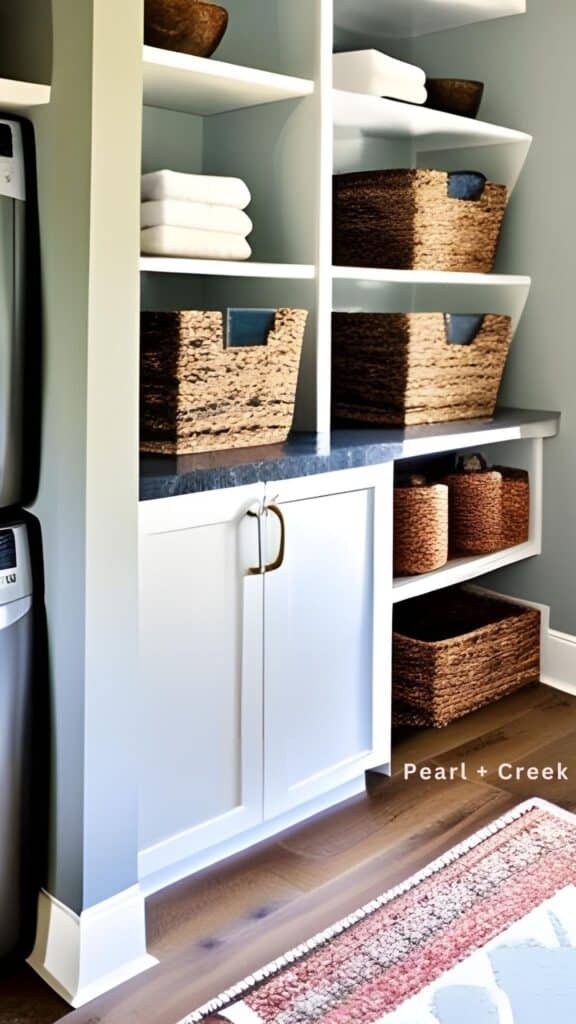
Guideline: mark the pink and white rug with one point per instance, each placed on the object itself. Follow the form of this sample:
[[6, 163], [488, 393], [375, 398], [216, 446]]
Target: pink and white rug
[[484, 935]]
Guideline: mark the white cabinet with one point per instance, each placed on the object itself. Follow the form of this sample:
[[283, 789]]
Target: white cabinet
[[261, 691], [201, 671], [326, 638]]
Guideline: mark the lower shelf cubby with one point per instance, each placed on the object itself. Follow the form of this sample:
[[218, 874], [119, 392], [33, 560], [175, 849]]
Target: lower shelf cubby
[[524, 455]]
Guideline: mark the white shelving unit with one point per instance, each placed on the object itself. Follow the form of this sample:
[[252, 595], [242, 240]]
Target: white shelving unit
[[358, 289], [400, 19], [460, 570], [19, 97], [227, 268], [435, 139], [194, 85], [521, 447]]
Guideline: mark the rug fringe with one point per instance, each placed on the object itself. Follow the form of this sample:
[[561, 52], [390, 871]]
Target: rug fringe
[[233, 994]]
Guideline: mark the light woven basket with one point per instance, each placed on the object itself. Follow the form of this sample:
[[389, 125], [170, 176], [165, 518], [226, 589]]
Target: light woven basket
[[400, 369], [455, 651], [420, 529], [489, 511], [405, 219], [198, 396]]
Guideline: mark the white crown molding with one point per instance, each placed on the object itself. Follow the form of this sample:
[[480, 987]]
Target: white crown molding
[[82, 956]]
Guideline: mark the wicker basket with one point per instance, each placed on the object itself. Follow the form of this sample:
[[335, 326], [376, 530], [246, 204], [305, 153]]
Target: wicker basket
[[455, 651], [400, 369], [405, 219], [420, 529], [489, 511], [198, 396]]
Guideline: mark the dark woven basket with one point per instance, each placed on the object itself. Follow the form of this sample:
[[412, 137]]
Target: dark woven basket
[[488, 511], [198, 396], [405, 219], [455, 651], [400, 369], [420, 529]]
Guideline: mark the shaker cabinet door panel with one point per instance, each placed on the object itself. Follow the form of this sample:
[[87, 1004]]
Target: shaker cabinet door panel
[[201, 649], [325, 674]]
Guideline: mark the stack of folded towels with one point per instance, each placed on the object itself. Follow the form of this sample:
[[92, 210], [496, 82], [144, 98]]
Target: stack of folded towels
[[376, 74], [195, 216]]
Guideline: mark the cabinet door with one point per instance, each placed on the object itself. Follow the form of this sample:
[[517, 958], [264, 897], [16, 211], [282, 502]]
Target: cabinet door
[[327, 636], [201, 629]]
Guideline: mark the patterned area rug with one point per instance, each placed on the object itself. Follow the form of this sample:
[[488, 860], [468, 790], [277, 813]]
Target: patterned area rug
[[485, 935]]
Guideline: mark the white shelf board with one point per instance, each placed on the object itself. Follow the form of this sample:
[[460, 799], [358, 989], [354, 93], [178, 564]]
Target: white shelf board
[[196, 85], [371, 290], [440, 140], [439, 277], [227, 268], [401, 19], [459, 570], [18, 97], [433, 129]]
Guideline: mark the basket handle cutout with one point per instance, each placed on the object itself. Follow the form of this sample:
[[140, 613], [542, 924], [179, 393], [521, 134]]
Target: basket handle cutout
[[467, 186], [248, 328], [463, 328]]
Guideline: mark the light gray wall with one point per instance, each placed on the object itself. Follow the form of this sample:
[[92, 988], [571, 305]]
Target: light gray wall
[[527, 63]]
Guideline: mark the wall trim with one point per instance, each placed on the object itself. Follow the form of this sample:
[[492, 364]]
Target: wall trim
[[82, 956], [558, 649]]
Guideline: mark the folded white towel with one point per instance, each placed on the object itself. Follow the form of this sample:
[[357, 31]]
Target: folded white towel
[[205, 216], [195, 188], [376, 74], [192, 243], [408, 93]]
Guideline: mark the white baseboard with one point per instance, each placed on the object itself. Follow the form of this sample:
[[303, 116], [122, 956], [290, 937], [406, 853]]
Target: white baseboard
[[558, 649], [82, 956]]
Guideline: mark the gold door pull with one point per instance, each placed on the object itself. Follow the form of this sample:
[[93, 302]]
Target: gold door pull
[[279, 560]]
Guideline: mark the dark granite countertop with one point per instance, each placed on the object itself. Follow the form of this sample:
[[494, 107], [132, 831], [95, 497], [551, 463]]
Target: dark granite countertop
[[309, 454]]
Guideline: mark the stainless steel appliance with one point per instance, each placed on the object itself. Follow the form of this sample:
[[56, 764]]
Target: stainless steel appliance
[[19, 309], [17, 643]]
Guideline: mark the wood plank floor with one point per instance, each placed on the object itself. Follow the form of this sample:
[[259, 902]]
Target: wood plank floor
[[210, 931]]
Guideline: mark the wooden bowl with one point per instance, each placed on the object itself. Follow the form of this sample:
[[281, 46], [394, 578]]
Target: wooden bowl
[[187, 26], [455, 96]]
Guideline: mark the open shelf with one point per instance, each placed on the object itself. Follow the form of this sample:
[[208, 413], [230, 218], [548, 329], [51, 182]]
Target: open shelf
[[195, 85], [18, 97], [227, 268], [371, 290], [459, 570], [434, 129], [404, 18], [364, 125]]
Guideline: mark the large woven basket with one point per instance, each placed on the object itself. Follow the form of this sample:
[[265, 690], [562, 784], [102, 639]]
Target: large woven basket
[[406, 220], [198, 396], [400, 369], [455, 651], [489, 511], [420, 529]]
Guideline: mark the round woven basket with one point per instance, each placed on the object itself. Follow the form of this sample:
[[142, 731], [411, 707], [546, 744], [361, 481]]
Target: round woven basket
[[475, 512], [515, 506], [489, 511], [420, 529]]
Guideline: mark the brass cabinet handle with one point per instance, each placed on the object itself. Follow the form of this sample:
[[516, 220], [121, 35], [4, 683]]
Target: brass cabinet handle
[[279, 560], [261, 568]]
